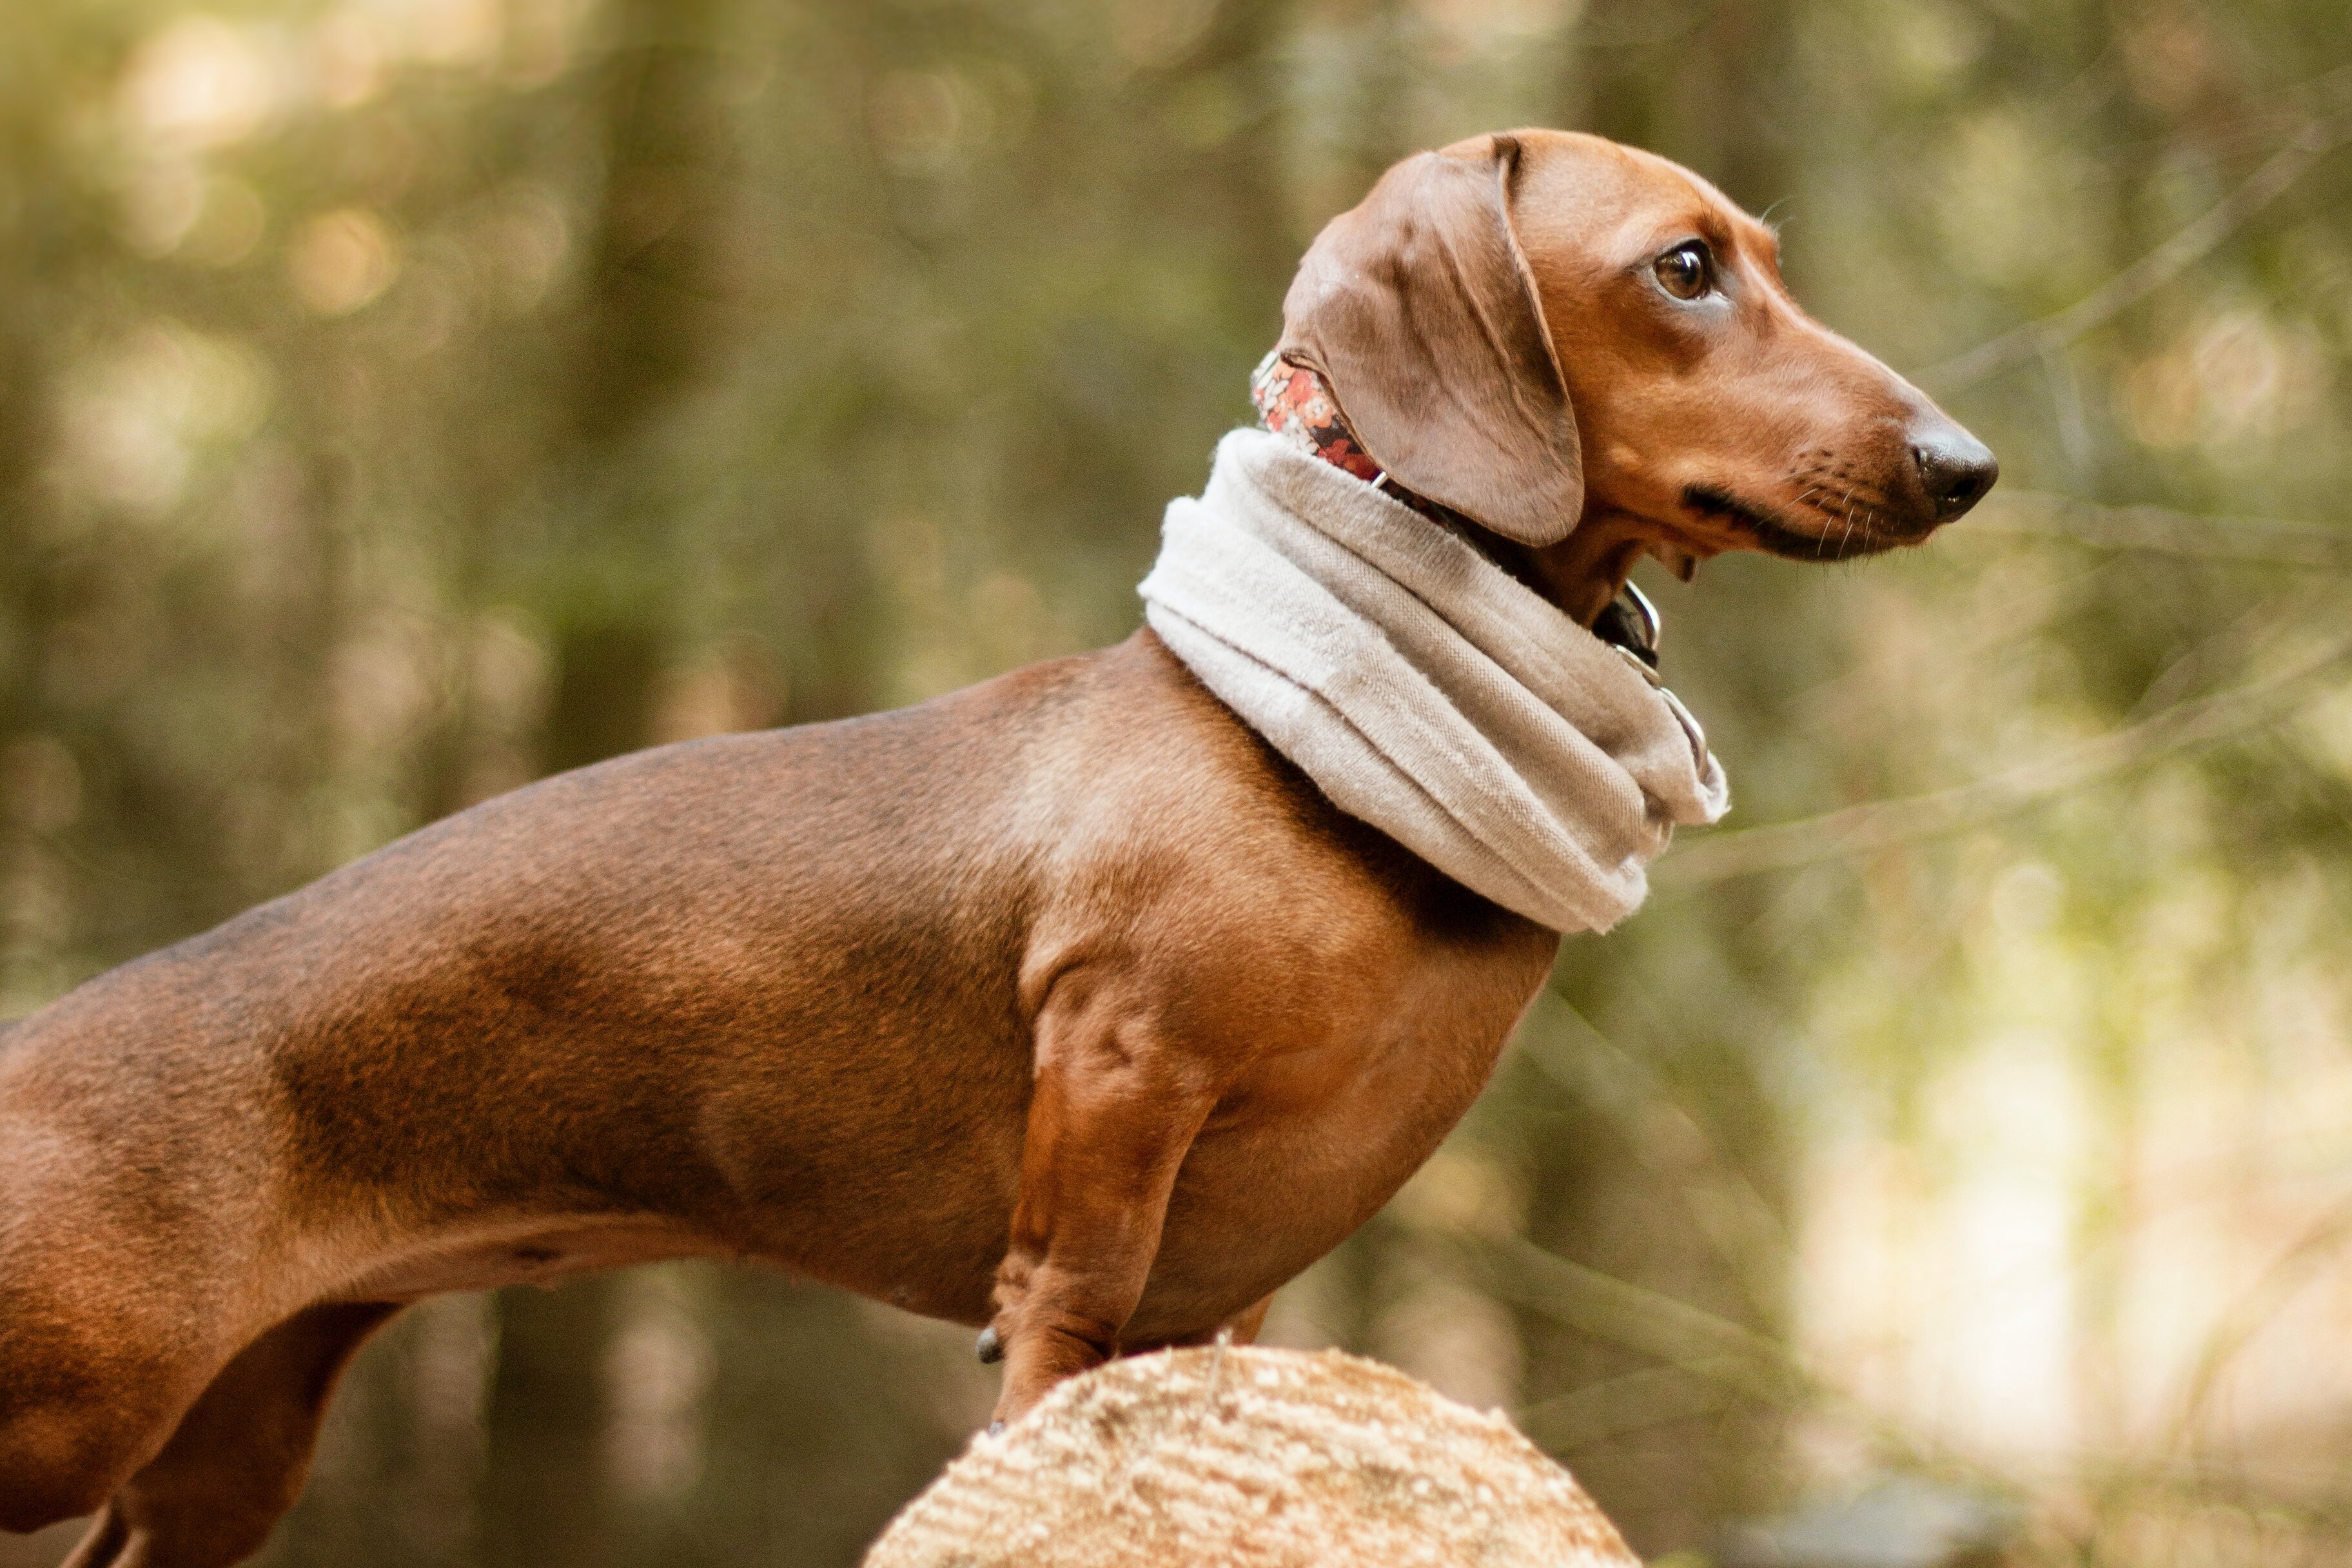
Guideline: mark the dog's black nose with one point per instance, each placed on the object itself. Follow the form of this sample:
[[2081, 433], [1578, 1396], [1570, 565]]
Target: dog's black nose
[[1955, 469]]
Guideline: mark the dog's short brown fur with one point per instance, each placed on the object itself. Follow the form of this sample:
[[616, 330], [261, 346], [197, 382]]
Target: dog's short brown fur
[[1061, 1004]]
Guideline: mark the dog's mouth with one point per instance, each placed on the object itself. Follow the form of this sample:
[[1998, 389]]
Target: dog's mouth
[[1849, 530]]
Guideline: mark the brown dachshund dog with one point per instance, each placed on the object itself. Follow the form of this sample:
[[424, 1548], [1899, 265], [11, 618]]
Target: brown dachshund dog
[[1062, 1005]]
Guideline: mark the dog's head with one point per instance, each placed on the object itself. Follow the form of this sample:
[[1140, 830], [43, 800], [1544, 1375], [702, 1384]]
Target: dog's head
[[1588, 350]]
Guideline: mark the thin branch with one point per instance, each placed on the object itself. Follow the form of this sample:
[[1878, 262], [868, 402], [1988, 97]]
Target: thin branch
[[1707, 1364], [1739, 1224], [1643, 1320], [1630, 1402], [2151, 272], [1742, 1363], [1882, 825], [2256, 540], [2254, 1310]]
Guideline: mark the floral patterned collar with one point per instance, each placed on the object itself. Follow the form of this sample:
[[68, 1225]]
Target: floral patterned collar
[[1293, 403]]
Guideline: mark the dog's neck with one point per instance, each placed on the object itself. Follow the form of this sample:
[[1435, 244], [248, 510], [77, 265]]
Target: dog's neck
[[1584, 575]]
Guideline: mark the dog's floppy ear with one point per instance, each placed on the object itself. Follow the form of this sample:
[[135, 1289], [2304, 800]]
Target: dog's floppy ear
[[1417, 308]]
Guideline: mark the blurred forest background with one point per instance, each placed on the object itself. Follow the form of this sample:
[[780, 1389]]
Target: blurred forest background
[[401, 399]]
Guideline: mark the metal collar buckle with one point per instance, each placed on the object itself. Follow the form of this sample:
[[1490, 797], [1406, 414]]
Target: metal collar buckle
[[1631, 625]]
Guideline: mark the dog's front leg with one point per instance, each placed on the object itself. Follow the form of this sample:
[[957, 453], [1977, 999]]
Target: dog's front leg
[[1116, 1102]]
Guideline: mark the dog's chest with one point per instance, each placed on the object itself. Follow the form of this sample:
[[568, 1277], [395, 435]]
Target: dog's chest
[[1315, 1141]]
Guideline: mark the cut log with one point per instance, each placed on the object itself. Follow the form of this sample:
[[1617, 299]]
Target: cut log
[[1252, 1458]]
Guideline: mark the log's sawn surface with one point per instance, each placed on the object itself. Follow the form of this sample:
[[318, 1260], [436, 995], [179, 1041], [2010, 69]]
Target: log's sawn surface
[[1252, 1458]]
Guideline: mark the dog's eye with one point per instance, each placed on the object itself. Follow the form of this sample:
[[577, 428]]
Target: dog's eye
[[1687, 271]]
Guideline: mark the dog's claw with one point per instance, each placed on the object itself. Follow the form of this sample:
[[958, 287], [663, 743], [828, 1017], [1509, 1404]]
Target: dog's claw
[[990, 1349], [995, 1428]]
